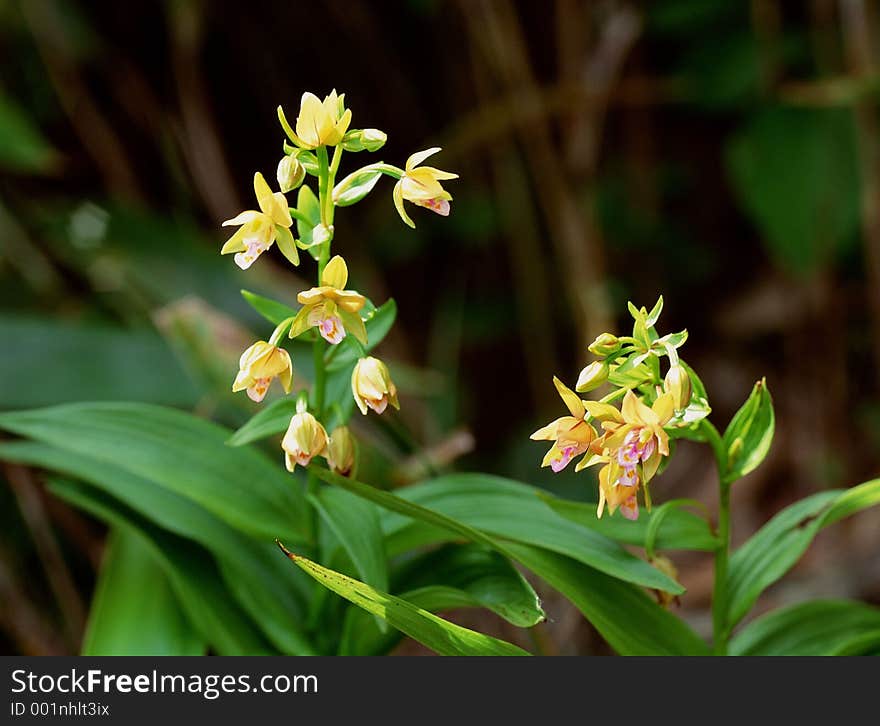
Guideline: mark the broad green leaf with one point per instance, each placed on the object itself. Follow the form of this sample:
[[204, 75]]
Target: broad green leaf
[[626, 617], [795, 171], [453, 576], [680, 529], [820, 627], [750, 433], [190, 569], [99, 362], [482, 507], [439, 635], [775, 548], [268, 421], [179, 452], [134, 610], [307, 204], [250, 568], [272, 310], [355, 522]]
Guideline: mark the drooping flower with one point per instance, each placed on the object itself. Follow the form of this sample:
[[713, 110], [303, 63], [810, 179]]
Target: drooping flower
[[421, 185], [304, 440], [330, 308], [319, 123], [372, 386], [260, 229], [259, 364], [341, 451], [631, 449], [571, 435]]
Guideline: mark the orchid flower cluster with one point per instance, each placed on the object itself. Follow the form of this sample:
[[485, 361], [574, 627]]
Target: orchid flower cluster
[[330, 313], [632, 442]]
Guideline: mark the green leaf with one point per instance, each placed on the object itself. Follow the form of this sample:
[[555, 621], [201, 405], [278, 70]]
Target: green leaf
[[750, 433], [134, 610], [821, 627], [439, 635], [355, 522], [626, 617], [481, 507], [98, 362], [309, 207], [24, 148], [680, 530], [191, 571], [268, 421], [179, 452], [250, 568], [270, 309], [778, 545], [453, 576], [795, 171]]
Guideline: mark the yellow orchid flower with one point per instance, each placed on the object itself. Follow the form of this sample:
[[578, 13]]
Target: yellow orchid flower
[[259, 364], [421, 185], [320, 123], [631, 449], [304, 440], [260, 229], [330, 308], [341, 451], [571, 435], [372, 386]]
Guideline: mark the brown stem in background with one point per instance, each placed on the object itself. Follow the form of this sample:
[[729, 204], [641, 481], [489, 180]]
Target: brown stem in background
[[94, 130], [495, 29], [858, 43], [521, 228], [27, 494], [199, 140]]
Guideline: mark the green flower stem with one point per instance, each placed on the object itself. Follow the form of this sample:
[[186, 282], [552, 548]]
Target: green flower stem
[[720, 629], [325, 203], [323, 182]]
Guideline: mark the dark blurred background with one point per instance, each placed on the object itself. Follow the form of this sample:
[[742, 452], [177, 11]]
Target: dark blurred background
[[722, 153]]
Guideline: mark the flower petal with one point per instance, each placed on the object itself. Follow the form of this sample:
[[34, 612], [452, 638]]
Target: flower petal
[[420, 156], [570, 398], [335, 273]]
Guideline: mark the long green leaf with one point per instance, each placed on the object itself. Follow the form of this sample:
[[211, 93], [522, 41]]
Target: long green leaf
[[191, 571], [272, 310], [681, 530], [505, 508], [99, 362], [618, 609], [439, 635], [180, 452], [627, 618], [355, 522], [134, 610], [820, 627], [453, 576], [252, 571], [779, 544], [268, 421]]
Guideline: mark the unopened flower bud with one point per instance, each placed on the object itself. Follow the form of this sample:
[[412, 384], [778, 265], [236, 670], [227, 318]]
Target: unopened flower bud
[[372, 386], [604, 345], [321, 233], [678, 383], [304, 440], [593, 376], [364, 140], [290, 173], [341, 451]]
